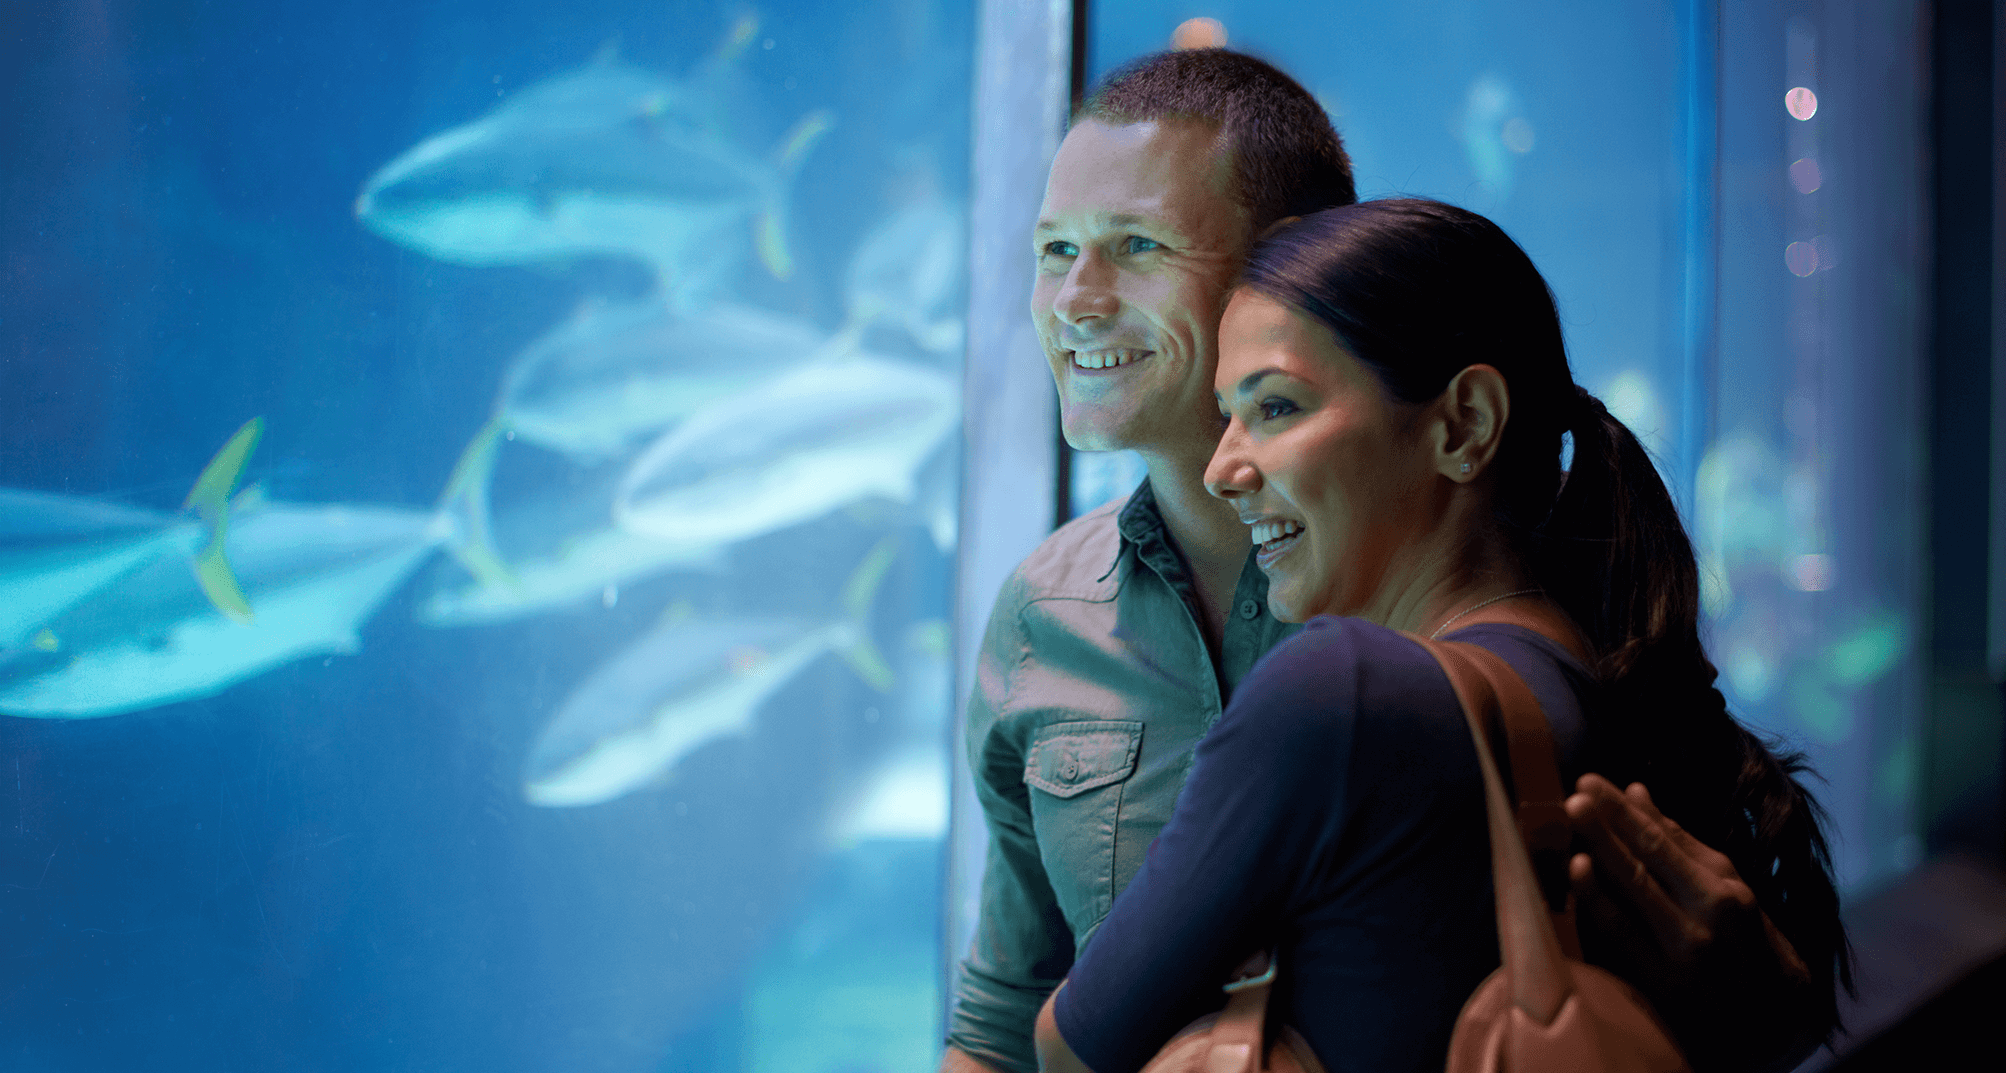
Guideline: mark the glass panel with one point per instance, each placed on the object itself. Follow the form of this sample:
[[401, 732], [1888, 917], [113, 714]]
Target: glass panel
[[1592, 134], [478, 533], [1808, 509]]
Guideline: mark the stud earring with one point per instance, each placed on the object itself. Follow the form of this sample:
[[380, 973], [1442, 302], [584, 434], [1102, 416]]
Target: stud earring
[[1466, 467]]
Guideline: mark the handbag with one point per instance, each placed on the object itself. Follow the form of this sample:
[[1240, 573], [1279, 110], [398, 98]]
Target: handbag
[[1544, 1009], [1230, 1041]]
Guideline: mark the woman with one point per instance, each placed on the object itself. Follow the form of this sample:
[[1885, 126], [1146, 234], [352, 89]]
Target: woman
[[1395, 390]]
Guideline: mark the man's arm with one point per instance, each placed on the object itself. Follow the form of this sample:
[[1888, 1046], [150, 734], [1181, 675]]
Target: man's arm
[[1688, 931], [1022, 945]]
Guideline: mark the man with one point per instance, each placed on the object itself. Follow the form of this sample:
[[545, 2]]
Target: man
[[1117, 643]]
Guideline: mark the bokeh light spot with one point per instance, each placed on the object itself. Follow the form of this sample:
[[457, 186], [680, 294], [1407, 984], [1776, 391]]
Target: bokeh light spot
[[1802, 103], [1199, 33], [1805, 176], [1801, 258], [1811, 573]]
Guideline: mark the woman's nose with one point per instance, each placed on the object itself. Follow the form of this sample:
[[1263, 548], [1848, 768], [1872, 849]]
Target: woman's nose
[[1231, 474], [1088, 291]]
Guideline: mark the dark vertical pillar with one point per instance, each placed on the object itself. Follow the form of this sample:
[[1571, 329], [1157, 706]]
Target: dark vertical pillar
[[1961, 775], [1062, 485]]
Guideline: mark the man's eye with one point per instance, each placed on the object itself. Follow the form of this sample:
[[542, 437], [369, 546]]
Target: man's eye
[[1059, 249], [1273, 408], [1138, 244]]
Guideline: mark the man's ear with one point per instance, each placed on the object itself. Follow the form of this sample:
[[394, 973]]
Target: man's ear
[[1474, 409], [1275, 227]]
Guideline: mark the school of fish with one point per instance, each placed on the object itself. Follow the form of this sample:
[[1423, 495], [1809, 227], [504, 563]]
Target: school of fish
[[695, 421]]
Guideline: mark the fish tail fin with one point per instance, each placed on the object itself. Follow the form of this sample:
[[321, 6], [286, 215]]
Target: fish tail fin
[[859, 594], [210, 499], [770, 225], [466, 502], [218, 581]]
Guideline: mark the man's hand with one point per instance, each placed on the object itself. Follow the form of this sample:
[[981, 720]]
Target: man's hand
[[1677, 921]]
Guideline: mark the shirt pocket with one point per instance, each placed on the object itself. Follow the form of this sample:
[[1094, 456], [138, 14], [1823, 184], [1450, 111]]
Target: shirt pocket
[[1069, 759], [1075, 771]]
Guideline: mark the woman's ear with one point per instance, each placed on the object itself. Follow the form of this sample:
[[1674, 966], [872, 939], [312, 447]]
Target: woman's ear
[[1475, 407]]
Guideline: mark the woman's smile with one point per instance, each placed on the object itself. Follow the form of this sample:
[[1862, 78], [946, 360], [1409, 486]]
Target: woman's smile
[[1274, 538]]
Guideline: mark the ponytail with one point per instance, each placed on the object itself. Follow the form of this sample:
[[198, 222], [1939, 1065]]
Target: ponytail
[[1613, 553]]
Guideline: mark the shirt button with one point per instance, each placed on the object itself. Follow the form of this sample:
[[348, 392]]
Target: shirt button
[[1248, 609], [1071, 772]]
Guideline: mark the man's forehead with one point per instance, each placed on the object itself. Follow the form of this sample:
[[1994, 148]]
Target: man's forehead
[[1154, 171]]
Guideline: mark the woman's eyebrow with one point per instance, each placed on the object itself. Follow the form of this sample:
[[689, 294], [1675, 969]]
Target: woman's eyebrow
[[1248, 381]]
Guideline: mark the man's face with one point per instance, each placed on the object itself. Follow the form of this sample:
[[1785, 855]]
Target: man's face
[[1137, 240]]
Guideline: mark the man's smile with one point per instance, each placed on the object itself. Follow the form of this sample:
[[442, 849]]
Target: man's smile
[[1111, 358]]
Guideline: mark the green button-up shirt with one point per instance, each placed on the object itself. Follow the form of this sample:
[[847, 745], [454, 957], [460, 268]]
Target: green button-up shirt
[[1093, 686]]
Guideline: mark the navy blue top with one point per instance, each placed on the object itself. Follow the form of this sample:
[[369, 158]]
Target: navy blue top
[[1336, 813]]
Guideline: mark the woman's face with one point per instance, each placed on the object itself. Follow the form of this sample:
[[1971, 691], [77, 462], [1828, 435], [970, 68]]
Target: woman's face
[[1334, 476]]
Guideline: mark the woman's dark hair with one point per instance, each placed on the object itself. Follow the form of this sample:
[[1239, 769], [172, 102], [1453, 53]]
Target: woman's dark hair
[[1417, 291]]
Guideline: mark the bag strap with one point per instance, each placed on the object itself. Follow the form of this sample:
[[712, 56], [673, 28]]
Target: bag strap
[[1534, 941]]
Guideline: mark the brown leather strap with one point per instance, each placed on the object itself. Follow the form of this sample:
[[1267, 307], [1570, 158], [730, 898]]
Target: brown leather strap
[[1490, 691]]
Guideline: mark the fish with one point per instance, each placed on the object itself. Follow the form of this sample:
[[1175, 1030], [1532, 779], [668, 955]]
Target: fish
[[310, 575], [824, 436], [590, 566], [911, 271], [592, 389], [56, 550], [608, 159], [617, 373], [684, 685]]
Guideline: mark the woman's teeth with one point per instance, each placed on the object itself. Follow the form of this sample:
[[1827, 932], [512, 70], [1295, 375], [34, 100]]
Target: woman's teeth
[[1270, 532], [1106, 359]]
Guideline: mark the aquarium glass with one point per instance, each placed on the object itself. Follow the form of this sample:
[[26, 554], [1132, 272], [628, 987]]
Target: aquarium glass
[[1735, 281], [478, 491]]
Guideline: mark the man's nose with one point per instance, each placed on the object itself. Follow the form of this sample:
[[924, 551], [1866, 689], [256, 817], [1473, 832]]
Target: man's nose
[[1088, 291], [1231, 474]]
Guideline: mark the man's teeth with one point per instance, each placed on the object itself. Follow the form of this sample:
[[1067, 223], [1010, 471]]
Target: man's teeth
[[1267, 531], [1105, 359]]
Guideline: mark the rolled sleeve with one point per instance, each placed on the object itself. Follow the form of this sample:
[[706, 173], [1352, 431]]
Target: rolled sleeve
[[1023, 946]]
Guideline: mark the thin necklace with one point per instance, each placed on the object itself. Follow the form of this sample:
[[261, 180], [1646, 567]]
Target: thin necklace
[[1477, 607]]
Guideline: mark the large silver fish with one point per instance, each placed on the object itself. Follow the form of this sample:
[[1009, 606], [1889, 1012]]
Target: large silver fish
[[616, 373], [587, 567], [608, 160], [823, 436], [687, 684], [310, 574]]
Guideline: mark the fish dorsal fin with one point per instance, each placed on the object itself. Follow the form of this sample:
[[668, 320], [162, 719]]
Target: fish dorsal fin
[[737, 38], [859, 593], [212, 489]]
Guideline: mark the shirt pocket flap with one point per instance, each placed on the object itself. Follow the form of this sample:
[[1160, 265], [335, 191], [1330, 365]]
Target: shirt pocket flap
[[1068, 759]]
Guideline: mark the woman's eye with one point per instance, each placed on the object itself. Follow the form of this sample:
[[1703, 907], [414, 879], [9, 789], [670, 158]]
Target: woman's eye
[[1273, 408], [1138, 244]]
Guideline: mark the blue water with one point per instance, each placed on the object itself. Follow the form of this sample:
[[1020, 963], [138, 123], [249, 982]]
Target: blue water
[[330, 862]]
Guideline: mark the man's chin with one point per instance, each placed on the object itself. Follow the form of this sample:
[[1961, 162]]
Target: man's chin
[[1094, 429]]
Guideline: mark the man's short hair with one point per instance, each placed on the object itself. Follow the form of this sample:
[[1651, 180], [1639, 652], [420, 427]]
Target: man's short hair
[[1287, 159]]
